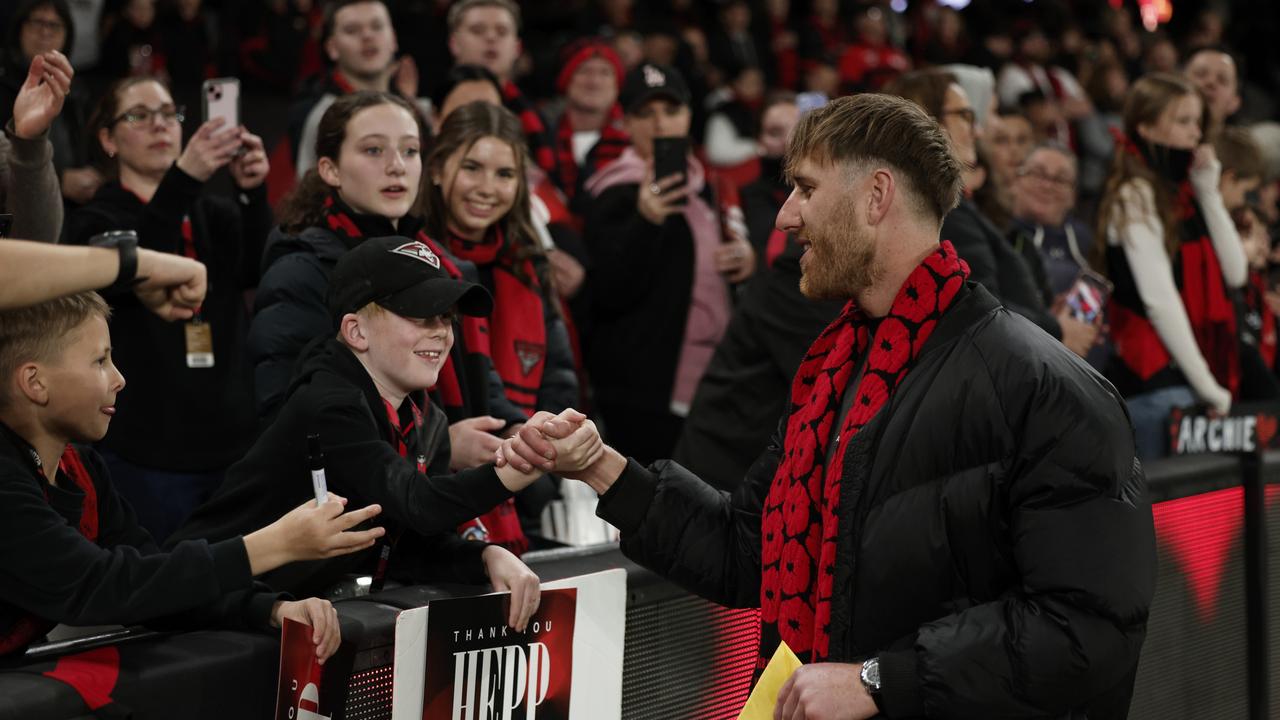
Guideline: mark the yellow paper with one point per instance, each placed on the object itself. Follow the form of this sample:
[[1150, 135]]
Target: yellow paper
[[765, 694]]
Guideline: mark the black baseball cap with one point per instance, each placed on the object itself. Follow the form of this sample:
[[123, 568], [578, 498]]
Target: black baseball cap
[[649, 80], [404, 276]]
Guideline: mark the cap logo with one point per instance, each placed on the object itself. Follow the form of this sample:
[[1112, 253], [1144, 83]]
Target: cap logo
[[420, 252], [653, 77]]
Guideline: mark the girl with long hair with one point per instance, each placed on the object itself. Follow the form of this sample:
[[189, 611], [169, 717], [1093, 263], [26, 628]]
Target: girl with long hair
[[188, 413], [1174, 255], [478, 206]]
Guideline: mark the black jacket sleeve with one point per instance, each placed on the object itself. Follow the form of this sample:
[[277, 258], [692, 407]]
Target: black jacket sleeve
[[50, 569], [365, 466], [289, 311], [705, 540]]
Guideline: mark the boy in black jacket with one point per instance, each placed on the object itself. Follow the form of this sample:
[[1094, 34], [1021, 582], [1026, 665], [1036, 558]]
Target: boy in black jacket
[[363, 394], [73, 551]]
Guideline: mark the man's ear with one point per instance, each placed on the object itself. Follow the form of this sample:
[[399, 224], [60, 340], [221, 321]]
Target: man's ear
[[353, 332], [883, 190], [32, 383], [331, 50]]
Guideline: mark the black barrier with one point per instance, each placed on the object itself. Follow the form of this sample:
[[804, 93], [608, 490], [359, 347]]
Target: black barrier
[[1211, 636]]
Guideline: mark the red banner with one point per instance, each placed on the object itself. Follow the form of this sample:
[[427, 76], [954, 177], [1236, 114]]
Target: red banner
[[298, 697]]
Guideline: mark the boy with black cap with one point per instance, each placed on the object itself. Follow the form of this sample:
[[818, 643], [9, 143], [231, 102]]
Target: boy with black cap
[[363, 394], [661, 268]]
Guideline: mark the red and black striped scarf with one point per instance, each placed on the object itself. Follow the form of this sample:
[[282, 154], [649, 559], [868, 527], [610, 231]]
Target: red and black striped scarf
[[517, 327], [535, 131], [613, 140], [799, 526]]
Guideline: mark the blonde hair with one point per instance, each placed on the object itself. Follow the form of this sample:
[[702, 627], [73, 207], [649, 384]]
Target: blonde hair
[[38, 333]]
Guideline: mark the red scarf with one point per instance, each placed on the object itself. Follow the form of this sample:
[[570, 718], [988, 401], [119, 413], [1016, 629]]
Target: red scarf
[[1204, 296], [613, 140], [535, 131], [517, 327], [799, 525]]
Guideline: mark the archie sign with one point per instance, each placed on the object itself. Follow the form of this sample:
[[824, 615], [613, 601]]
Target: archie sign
[[1245, 429], [457, 659]]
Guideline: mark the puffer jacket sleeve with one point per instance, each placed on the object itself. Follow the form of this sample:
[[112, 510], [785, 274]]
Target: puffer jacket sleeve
[[705, 540], [289, 311], [1080, 536]]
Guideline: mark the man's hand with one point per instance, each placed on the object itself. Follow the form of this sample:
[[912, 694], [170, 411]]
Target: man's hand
[[41, 97], [508, 573], [311, 532], [825, 691], [534, 448], [472, 442], [172, 286], [406, 78], [736, 259], [320, 615]]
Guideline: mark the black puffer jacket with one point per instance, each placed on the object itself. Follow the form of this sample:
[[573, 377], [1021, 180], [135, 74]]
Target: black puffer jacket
[[996, 550]]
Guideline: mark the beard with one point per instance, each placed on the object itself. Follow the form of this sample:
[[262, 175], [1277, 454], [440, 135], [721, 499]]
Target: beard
[[842, 259]]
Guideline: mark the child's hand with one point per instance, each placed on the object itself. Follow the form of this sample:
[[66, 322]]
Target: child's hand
[[532, 447], [578, 451], [320, 615], [311, 532], [508, 573]]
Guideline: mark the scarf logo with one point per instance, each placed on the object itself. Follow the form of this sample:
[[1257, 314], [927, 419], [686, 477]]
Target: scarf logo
[[530, 354], [419, 252], [653, 77]]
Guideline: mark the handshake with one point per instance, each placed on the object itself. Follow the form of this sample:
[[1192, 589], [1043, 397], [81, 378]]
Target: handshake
[[567, 444]]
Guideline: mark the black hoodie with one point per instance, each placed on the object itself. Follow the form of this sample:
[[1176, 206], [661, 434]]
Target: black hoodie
[[333, 396]]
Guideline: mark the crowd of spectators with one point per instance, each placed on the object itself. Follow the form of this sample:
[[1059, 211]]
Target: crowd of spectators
[[607, 173]]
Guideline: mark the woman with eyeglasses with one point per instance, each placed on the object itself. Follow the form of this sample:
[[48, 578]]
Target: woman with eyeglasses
[[188, 412]]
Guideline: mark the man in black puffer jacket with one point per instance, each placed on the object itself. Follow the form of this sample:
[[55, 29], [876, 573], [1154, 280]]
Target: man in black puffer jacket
[[981, 546]]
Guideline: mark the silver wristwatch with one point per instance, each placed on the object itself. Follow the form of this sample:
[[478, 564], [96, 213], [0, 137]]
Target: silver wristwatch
[[870, 676]]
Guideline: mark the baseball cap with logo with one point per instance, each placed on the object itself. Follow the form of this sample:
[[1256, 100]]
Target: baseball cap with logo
[[650, 80], [403, 276]]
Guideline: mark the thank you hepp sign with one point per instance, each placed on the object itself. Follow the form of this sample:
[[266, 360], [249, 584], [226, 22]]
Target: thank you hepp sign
[[457, 659]]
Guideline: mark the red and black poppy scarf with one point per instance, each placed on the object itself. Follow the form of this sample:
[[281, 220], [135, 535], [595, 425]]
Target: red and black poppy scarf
[[613, 140], [517, 327], [799, 524]]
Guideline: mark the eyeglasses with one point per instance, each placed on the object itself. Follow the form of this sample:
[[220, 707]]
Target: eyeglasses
[[49, 26], [141, 116], [1062, 181], [965, 114]]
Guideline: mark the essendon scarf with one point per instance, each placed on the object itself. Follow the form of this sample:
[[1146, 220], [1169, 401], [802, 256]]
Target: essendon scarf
[[28, 627], [1200, 286], [517, 327], [535, 131], [613, 140], [799, 527]]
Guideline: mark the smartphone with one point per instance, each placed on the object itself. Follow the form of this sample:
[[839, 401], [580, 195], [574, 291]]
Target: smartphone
[[6, 224], [1087, 298], [221, 99], [670, 156]]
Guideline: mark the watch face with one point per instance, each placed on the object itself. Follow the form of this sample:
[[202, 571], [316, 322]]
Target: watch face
[[871, 674]]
